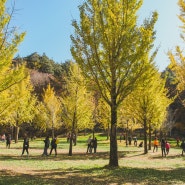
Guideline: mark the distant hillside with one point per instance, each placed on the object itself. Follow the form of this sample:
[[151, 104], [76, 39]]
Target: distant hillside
[[44, 71], [40, 81]]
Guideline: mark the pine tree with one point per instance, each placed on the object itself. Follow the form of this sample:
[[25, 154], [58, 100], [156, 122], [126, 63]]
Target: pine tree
[[110, 48]]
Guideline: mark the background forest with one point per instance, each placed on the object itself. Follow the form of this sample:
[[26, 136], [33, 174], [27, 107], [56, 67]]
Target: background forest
[[44, 71]]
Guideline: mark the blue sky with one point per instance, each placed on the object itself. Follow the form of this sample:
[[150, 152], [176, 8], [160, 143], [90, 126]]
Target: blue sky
[[48, 26]]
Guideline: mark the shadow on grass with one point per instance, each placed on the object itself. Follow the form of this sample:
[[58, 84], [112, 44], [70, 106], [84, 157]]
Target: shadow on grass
[[63, 156], [96, 176]]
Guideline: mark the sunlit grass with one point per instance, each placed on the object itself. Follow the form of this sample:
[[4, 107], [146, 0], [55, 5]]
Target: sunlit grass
[[82, 168]]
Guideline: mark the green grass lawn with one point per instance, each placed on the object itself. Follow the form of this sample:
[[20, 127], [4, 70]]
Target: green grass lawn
[[89, 169]]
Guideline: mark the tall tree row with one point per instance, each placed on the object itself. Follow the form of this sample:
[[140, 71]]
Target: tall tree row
[[110, 49], [178, 59]]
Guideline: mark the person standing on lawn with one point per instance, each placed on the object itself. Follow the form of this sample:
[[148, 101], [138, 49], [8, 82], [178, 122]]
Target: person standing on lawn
[[156, 144], [25, 145], [54, 146], [167, 147], [183, 147], [46, 146], [163, 148]]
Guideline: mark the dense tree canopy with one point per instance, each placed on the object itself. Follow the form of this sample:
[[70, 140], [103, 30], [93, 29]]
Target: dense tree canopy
[[111, 48]]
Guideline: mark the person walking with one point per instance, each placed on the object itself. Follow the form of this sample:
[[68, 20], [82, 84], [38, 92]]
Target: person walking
[[46, 146], [135, 140], [163, 148], [156, 144], [8, 141], [53, 146], [183, 147], [89, 144], [25, 145], [167, 147]]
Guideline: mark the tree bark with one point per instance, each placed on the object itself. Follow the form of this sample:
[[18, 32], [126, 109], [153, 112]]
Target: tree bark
[[113, 160], [71, 145], [72, 134], [16, 134], [145, 137], [150, 138]]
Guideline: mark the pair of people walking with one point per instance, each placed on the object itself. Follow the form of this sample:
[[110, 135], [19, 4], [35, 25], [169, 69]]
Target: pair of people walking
[[165, 147], [54, 143], [91, 144]]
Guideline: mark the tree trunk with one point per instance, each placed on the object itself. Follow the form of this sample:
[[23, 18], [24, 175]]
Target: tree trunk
[[12, 132], [16, 134], [72, 134], [145, 137], [113, 161], [71, 145], [93, 133], [108, 131], [53, 132], [150, 138]]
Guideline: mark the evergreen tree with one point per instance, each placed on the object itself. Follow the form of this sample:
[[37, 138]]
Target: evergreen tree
[[45, 65], [110, 48]]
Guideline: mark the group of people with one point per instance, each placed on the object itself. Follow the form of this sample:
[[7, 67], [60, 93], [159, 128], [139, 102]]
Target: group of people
[[165, 146], [47, 143], [91, 144]]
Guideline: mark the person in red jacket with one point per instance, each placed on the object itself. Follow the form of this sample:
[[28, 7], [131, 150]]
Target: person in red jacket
[[167, 147]]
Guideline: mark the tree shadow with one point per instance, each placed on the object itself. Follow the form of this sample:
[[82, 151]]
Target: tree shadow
[[96, 176]]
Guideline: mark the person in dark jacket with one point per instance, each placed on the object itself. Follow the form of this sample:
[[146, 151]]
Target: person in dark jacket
[[8, 141], [25, 145], [183, 147], [53, 146], [163, 147], [46, 146]]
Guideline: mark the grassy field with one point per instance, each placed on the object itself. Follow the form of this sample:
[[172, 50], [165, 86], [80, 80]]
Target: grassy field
[[89, 169]]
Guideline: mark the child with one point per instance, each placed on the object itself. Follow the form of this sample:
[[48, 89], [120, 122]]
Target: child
[[167, 147]]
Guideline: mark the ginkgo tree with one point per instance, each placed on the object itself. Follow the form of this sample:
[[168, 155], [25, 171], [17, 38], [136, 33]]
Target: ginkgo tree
[[9, 41], [148, 103], [77, 104], [53, 108], [110, 48], [103, 116], [177, 64], [23, 105]]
